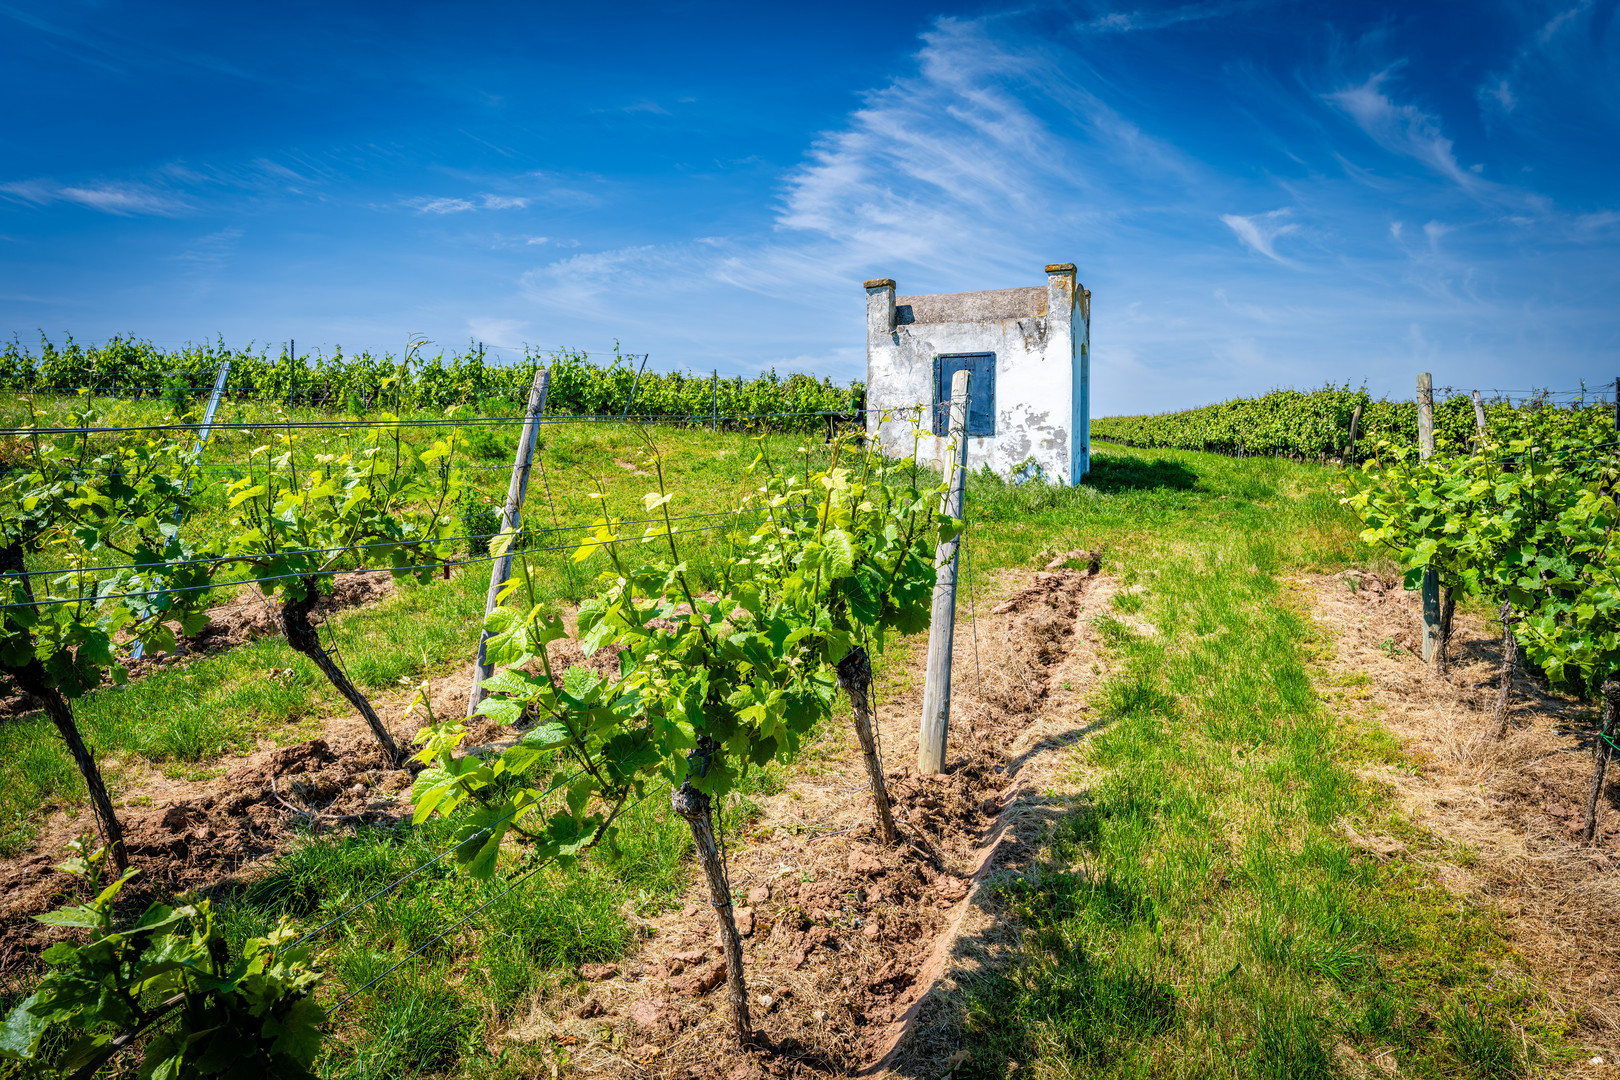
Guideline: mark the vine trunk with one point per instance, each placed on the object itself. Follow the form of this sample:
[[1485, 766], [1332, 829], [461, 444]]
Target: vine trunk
[[301, 635], [1611, 704], [855, 676], [31, 679], [695, 807], [1442, 652]]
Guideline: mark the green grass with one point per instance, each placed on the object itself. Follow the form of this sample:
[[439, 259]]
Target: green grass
[[437, 1012], [1197, 911]]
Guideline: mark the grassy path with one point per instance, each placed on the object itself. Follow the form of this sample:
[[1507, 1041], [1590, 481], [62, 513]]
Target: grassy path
[[1198, 910]]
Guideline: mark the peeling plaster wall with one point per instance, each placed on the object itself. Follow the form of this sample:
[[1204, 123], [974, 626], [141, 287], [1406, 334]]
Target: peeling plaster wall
[[1040, 339]]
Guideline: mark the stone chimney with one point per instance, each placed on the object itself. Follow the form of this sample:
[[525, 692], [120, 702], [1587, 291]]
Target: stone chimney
[[1060, 289], [879, 308]]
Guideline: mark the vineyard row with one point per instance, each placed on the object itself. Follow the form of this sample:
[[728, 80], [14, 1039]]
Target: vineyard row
[[580, 385], [1524, 518], [1316, 425], [820, 565]]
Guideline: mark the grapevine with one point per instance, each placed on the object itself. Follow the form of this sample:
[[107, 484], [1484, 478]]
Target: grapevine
[[709, 686], [386, 497], [251, 1014], [58, 633], [1527, 522]]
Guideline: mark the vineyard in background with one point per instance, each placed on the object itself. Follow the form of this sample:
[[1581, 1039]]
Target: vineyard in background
[[1316, 425], [411, 380]]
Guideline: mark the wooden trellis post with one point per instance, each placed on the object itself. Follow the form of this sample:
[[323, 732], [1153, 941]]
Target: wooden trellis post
[[936, 710], [501, 569]]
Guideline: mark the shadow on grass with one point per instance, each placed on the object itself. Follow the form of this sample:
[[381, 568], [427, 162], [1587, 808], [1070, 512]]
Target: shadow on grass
[[1074, 1004], [1111, 475]]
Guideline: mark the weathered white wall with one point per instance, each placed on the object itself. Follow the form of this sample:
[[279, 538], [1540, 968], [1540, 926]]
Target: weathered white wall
[[1041, 341]]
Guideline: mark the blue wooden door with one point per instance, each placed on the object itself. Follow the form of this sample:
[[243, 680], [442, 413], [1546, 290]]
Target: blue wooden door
[[981, 417]]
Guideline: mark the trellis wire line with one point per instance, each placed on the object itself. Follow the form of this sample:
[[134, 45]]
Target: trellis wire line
[[334, 401], [249, 464], [515, 882], [215, 559], [397, 882], [358, 570], [1525, 457], [436, 938]]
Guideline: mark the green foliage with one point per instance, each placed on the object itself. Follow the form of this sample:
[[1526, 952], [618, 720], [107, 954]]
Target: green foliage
[[92, 505], [247, 1015], [1528, 520], [709, 686], [479, 521], [386, 495], [1315, 425], [127, 367]]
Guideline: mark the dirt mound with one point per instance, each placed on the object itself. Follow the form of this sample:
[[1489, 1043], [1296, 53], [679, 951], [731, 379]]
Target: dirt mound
[[197, 841], [1036, 634], [566, 653], [253, 617], [844, 938]]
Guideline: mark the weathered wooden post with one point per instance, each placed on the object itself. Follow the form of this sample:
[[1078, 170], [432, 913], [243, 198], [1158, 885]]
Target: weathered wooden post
[[1479, 417], [1431, 577], [1510, 660], [501, 569], [936, 709]]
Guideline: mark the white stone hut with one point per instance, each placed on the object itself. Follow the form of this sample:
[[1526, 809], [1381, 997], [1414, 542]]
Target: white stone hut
[[1029, 352]]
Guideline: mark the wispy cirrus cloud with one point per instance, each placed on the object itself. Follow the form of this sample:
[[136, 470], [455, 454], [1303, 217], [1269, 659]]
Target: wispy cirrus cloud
[[122, 199], [209, 254], [1004, 150], [486, 201], [1401, 128], [1121, 22], [1260, 231]]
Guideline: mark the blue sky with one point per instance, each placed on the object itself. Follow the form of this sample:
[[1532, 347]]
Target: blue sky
[[1258, 194]]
